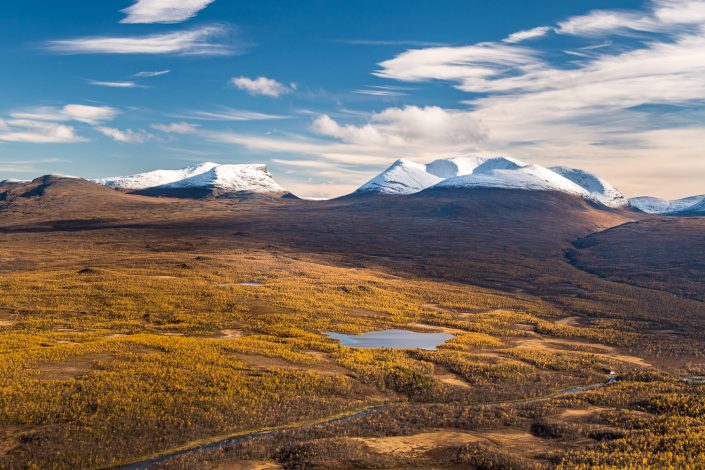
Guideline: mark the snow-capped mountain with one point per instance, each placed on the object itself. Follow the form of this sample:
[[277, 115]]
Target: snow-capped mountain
[[696, 209], [205, 179], [654, 205], [407, 177], [530, 177], [599, 189], [403, 177], [252, 178], [154, 178]]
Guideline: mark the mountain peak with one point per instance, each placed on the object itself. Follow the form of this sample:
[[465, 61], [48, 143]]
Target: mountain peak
[[599, 189], [201, 180], [401, 177], [655, 205], [408, 177]]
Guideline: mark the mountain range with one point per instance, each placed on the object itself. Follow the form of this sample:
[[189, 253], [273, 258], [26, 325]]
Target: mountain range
[[402, 178], [405, 177]]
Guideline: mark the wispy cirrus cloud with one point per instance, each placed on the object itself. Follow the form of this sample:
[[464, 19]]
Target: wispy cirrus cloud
[[532, 33], [163, 11], [379, 92], [261, 86], [176, 128], [390, 42], [49, 124], [37, 132], [127, 136], [147, 74], [230, 114], [127, 84], [71, 112], [204, 41]]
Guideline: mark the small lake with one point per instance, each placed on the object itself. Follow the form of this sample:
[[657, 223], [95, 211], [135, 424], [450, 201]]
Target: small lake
[[396, 339]]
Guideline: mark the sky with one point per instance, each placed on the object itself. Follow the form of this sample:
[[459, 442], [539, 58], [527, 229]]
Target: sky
[[328, 93]]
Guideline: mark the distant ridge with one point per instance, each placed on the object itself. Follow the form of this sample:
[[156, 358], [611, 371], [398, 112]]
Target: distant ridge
[[204, 180], [693, 205], [405, 177]]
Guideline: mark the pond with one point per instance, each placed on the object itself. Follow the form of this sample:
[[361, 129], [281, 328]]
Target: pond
[[396, 339]]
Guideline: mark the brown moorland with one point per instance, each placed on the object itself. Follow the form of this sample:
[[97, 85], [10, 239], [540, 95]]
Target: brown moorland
[[115, 309]]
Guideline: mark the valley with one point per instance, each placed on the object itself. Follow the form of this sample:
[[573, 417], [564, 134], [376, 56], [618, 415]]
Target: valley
[[161, 325]]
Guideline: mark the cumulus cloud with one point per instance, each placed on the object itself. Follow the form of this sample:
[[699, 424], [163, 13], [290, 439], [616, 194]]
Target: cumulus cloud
[[163, 11], [197, 41], [408, 126], [176, 128], [260, 86], [127, 136]]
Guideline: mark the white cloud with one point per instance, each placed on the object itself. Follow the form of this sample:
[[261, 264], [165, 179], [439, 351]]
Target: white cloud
[[472, 66], [230, 114], [163, 11], [604, 111], [375, 92], [532, 33], [71, 112], [156, 73], [408, 126], [261, 86], [127, 136], [664, 16], [89, 114], [198, 41], [176, 128], [680, 11], [602, 21], [114, 84], [37, 132], [44, 124]]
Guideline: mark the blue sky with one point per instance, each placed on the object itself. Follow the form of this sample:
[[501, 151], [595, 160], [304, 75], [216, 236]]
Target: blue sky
[[328, 93]]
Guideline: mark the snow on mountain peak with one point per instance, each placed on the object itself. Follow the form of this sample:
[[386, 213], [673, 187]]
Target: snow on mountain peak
[[154, 178], [247, 177], [531, 177], [227, 177], [599, 189], [402, 177], [654, 205], [407, 177]]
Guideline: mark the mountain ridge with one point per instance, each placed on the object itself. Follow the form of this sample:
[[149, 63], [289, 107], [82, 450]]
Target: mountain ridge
[[405, 177], [207, 179]]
